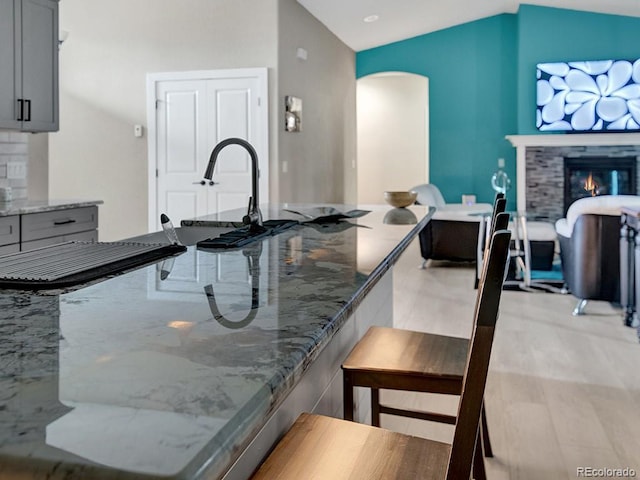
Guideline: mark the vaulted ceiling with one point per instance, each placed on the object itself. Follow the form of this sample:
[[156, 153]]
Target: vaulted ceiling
[[401, 19]]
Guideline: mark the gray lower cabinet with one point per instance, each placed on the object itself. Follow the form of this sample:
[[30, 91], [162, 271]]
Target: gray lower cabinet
[[35, 230], [9, 234], [58, 226]]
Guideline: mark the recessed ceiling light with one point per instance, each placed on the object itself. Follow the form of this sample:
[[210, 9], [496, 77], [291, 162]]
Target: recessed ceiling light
[[371, 18]]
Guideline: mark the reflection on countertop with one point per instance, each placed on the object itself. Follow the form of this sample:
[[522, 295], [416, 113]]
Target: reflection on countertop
[[252, 254], [134, 376], [400, 216]]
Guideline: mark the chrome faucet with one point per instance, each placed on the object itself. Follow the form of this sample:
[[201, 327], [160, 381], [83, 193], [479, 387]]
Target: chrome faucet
[[253, 216]]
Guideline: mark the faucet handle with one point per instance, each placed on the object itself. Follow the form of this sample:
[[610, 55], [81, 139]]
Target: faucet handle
[[253, 216], [250, 217]]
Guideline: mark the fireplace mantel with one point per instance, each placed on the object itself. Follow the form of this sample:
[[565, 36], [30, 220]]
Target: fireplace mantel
[[574, 139], [521, 142]]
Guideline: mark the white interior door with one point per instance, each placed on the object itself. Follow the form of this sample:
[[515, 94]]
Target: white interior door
[[181, 139], [191, 113], [230, 114]]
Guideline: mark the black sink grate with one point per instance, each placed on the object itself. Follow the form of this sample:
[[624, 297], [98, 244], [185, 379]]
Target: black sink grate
[[243, 236]]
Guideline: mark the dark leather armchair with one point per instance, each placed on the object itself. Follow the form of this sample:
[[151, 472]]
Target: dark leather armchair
[[452, 233], [589, 240], [452, 240]]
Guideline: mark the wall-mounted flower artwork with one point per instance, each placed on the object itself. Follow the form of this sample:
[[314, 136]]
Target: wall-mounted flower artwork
[[588, 96]]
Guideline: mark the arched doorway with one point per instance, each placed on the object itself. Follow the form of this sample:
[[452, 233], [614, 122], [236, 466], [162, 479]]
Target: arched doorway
[[392, 133]]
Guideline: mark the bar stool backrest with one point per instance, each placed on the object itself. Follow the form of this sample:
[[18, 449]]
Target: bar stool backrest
[[475, 375]]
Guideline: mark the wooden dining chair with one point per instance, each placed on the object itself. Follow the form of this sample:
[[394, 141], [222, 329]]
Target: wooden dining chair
[[485, 230], [396, 359], [322, 447]]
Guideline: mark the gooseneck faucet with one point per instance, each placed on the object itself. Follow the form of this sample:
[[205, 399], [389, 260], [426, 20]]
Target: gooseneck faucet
[[253, 216]]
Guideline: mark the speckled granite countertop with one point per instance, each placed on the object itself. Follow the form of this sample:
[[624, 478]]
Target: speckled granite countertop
[[170, 370], [18, 207]]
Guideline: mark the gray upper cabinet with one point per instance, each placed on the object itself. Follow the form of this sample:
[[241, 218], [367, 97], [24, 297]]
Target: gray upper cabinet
[[29, 44], [8, 60]]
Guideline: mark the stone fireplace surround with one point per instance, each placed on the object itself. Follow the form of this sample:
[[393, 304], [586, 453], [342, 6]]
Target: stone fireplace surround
[[540, 165]]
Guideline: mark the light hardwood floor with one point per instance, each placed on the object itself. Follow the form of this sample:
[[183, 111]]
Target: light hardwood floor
[[563, 392]]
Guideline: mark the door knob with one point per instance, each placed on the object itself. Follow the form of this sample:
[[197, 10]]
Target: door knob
[[211, 183], [201, 182]]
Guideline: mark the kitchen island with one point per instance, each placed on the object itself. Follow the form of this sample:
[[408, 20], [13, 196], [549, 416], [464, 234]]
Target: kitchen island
[[191, 367]]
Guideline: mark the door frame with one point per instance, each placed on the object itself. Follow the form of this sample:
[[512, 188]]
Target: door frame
[[262, 133]]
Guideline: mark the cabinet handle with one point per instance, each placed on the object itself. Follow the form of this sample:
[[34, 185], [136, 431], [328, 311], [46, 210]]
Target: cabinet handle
[[64, 222], [28, 116], [20, 109]]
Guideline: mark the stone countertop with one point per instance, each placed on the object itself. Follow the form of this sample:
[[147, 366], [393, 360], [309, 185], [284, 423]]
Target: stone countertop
[[171, 370], [18, 207]]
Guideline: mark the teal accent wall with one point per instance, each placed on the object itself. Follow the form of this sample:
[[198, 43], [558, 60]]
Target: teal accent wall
[[472, 99], [482, 83]]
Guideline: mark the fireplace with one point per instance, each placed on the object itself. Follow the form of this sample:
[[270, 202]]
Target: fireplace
[[594, 176], [540, 166]]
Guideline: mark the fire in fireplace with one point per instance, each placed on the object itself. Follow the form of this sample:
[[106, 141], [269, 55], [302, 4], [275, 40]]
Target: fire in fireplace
[[592, 176], [591, 186]]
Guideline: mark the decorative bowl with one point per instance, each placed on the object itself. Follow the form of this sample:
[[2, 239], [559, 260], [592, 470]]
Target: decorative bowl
[[400, 199]]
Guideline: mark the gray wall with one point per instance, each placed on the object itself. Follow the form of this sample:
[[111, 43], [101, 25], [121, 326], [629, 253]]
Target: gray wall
[[321, 158], [103, 65], [113, 45]]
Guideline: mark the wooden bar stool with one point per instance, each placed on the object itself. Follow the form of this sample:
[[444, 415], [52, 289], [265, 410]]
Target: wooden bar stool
[[321, 447], [396, 359], [437, 367]]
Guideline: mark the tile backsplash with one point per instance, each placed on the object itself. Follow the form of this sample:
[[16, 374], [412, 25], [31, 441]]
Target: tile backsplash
[[14, 158]]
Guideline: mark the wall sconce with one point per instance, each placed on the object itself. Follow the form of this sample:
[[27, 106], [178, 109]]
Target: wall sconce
[[292, 114]]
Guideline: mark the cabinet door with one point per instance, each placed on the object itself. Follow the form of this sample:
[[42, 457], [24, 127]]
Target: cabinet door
[[39, 38], [9, 62], [9, 229]]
